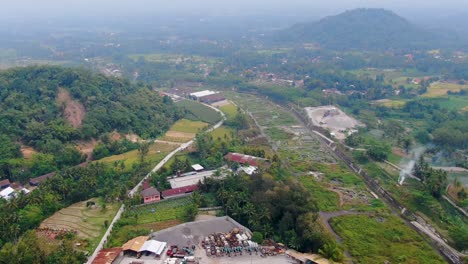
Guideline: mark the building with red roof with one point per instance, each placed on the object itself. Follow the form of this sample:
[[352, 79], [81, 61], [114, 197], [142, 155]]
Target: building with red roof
[[244, 159], [4, 184], [176, 192], [108, 256], [151, 195]]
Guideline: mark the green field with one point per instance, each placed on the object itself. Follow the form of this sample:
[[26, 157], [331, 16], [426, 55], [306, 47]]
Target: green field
[[156, 153], [441, 89], [453, 102], [141, 220], [230, 110], [172, 58], [199, 112], [382, 239], [327, 201], [222, 132], [188, 126]]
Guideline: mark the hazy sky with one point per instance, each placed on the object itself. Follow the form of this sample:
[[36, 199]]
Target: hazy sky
[[35, 8]]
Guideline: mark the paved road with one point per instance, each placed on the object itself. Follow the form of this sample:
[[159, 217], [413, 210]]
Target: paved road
[[135, 189]]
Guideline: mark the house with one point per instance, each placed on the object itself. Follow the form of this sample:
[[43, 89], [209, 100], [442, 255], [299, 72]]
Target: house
[[7, 193], [177, 192], [197, 167], [244, 159], [151, 195], [4, 184], [108, 256]]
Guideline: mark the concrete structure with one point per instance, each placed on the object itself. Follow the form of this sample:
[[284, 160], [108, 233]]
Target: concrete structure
[[188, 180], [197, 167], [193, 233], [108, 256], [151, 195]]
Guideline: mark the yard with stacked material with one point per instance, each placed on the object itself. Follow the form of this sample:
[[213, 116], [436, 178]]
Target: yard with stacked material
[[141, 220], [184, 130], [382, 239], [88, 222], [157, 151]]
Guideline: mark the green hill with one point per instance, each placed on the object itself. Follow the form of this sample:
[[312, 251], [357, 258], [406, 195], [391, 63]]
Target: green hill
[[49, 108], [364, 29]]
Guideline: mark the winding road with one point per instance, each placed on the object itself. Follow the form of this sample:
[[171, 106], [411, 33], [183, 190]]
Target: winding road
[[156, 168]]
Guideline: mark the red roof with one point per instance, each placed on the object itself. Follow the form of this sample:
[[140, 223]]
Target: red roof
[[178, 191], [107, 256], [242, 158], [5, 183]]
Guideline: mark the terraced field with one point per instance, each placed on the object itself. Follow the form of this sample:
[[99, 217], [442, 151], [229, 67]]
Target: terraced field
[[88, 222], [184, 130]]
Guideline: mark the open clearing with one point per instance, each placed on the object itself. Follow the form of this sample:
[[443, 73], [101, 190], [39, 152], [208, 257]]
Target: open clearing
[[229, 109], [332, 118], [382, 239], [188, 126], [199, 112], [156, 153], [88, 222], [27, 152], [73, 110], [440, 89]]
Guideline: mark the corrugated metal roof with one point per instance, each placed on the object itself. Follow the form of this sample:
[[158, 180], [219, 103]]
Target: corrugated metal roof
[[202, 93], [5, 182], [107, 256], [150, 192], [153, 246], [135, 244], [178, 191]]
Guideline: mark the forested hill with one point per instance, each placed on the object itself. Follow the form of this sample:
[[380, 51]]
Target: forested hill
[[47, 108], [363, 29]]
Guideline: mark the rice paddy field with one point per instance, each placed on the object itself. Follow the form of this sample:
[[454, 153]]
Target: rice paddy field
[[88, 222]]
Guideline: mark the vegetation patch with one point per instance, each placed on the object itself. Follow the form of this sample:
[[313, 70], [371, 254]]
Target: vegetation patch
[[157, 151], [327, 200], [382, 239], [230, 110]]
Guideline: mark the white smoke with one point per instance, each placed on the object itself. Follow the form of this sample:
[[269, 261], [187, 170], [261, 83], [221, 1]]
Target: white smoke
[[408, 166]]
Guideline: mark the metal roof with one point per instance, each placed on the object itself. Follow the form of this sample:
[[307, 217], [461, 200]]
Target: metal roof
[[107, 256], [135, 244], [150, 192], [197, 167], [179, 191], [153, 246], [202, 93]]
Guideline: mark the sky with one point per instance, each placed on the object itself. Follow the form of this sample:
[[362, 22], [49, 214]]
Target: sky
[[38, 8]]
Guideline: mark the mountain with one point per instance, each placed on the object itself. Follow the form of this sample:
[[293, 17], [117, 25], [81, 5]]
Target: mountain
[[363, 29]]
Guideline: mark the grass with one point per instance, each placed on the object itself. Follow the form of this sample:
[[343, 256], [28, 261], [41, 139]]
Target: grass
[[188, 126], [453, 102], [278, 134], [156, 153], [199, 112], [222, 132], [141, 220], [87, 221], [327, 201], [172, 58], [230, 110], [382, 239], [393, 103], [441, 89]]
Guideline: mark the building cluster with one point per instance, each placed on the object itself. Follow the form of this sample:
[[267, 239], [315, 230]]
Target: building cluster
[[10, 190]]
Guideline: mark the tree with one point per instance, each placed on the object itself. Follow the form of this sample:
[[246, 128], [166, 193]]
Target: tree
[[257, 237], [190, 212], [143, 150], [379, 151], [332, 250]]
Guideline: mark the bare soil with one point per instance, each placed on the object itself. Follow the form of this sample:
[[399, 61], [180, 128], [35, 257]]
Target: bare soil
[[73, 110], [87, 147], [27, 152]]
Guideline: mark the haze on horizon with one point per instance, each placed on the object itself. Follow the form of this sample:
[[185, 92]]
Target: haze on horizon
[[25, 9]]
